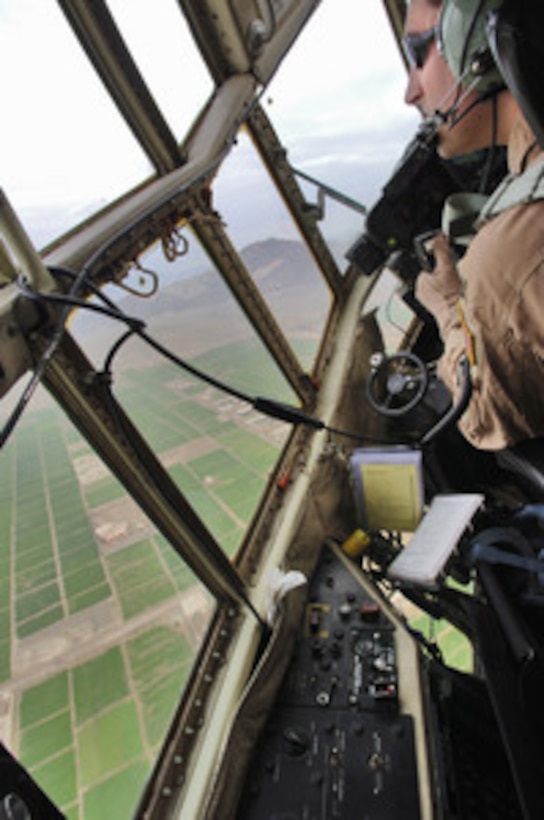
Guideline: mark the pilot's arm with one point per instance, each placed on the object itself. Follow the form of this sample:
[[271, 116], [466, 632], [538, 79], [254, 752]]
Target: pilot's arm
[[495, 318], [440, 290], [441, 293]]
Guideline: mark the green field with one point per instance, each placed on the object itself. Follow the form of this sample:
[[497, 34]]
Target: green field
[[89, 733], [100, 724], [56, 563], [138, 576]]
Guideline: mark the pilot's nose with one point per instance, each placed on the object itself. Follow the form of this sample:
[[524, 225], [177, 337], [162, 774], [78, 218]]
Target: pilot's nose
[[413, 93]]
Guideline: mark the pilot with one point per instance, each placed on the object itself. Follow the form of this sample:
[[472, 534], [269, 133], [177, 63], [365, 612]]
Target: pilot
[[467, 59]]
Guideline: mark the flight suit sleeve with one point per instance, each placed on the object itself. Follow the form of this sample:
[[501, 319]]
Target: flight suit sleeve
[[495, 316], [527, 316], [501, 409], [440, 292]]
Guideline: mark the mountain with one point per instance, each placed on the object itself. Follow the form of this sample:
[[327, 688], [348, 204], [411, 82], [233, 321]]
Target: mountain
[[278, 266], [199, 312]]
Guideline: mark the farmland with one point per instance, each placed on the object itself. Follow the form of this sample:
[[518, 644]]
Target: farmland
[[100, 617]]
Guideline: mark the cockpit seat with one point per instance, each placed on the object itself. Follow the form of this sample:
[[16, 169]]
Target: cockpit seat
[[525, 461]]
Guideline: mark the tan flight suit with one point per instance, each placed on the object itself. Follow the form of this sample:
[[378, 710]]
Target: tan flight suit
[[501, 318]]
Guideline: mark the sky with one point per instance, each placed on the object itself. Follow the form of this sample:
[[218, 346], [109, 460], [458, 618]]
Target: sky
[[64, 150]]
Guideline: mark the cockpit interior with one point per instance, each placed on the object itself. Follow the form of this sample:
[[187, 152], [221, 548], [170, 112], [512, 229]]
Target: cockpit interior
[[251, 568]]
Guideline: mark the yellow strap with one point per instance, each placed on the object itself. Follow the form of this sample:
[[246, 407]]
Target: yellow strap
[[469, 337]]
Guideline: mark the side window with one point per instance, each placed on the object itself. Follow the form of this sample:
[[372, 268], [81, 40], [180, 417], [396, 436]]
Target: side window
[[101, 618]]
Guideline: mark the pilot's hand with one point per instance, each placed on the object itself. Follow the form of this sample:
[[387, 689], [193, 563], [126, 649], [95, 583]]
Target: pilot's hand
[[440, 290]]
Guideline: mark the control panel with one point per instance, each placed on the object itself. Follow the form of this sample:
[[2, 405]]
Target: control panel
[[339, 742]]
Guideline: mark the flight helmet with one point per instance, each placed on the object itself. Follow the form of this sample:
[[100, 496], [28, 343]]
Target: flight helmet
[[463, 41], [515, 33]]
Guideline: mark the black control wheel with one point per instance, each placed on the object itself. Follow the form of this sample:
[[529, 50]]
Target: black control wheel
[[397, 383]]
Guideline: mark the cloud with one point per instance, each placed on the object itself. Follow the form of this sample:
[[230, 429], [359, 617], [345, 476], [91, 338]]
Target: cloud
[[336, 103]]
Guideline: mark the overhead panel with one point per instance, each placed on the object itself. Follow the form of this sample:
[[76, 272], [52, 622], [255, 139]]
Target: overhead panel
[[284, 20], [218, 35], [246, 35]]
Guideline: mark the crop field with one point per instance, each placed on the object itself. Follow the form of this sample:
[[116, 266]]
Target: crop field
[[88, 734], [100, 618], [454, 647], [137, 575], [56, 563]]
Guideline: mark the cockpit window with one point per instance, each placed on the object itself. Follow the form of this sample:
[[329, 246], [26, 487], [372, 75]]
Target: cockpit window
[[102, 615], [77, 152], [276, 257], [105, 621], [336, 102], [160, 42]]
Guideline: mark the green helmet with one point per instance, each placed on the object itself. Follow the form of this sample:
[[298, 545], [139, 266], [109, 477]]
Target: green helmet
[[516, 33], [463, 42]]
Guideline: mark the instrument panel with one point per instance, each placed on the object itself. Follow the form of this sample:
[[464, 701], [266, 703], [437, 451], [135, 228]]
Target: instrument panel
[[343, 739]]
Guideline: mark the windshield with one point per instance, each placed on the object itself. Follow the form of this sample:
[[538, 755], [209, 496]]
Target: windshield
[[102, 616]]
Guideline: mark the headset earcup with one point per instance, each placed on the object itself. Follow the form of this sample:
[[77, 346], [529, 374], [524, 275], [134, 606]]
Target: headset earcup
[[462, 38]]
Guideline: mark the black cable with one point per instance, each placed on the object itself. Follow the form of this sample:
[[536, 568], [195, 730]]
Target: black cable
[[270, 407], [136, 327], [266, 406], [194, 371], [74, 302], [108, 362], [46, 356], [457, 408], [20, 407]]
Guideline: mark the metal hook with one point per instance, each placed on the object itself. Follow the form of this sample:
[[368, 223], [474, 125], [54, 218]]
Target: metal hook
[[146, 276], [174, 244]]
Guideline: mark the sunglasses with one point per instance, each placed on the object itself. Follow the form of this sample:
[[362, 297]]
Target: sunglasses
[[416, 46]]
